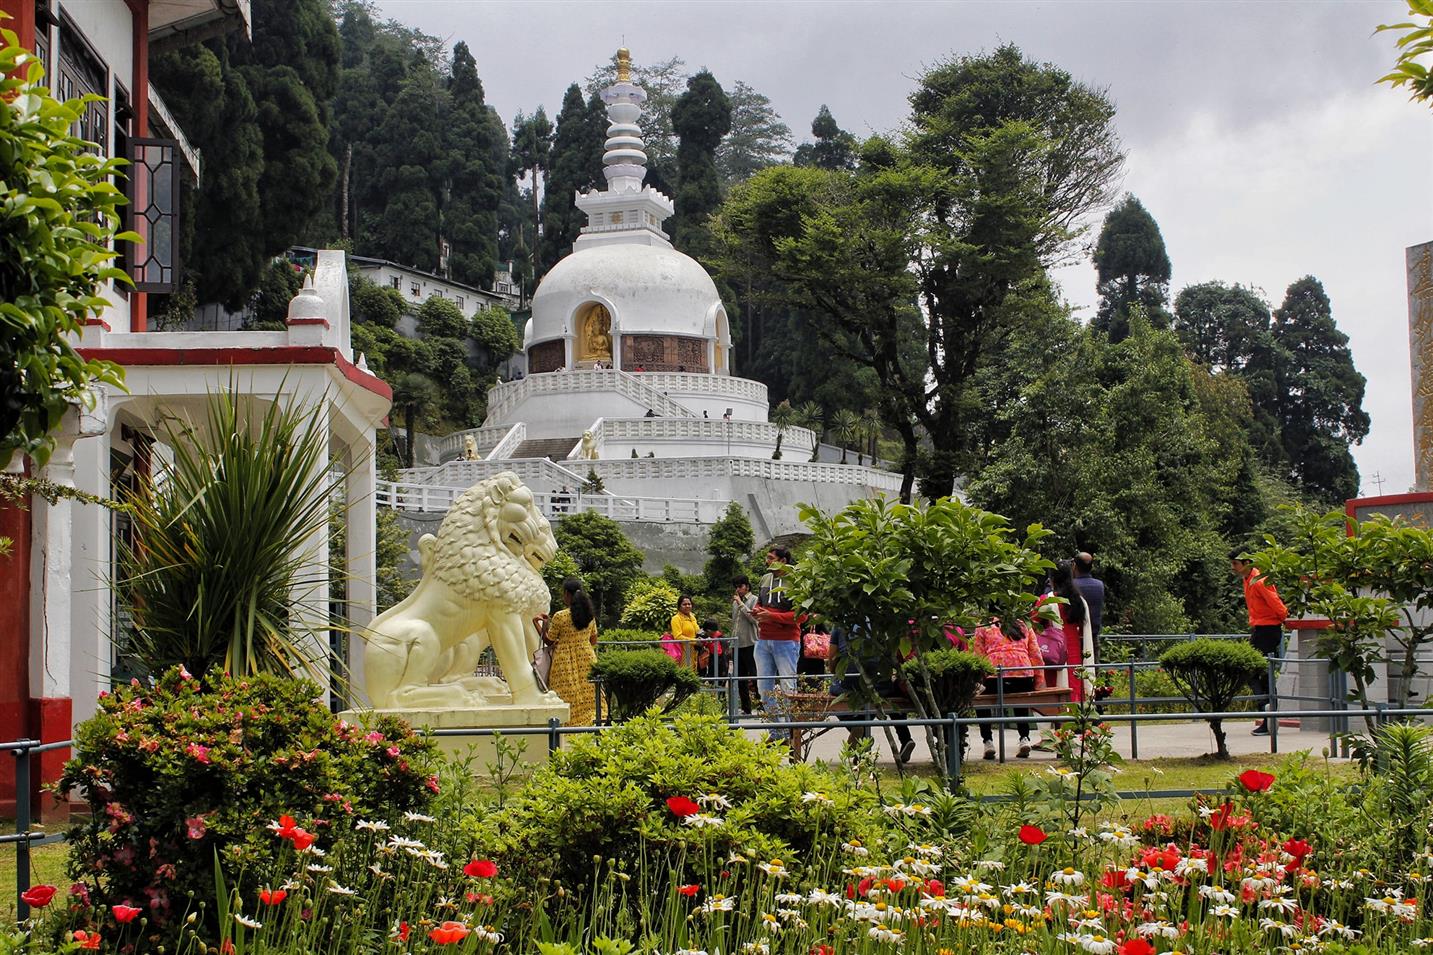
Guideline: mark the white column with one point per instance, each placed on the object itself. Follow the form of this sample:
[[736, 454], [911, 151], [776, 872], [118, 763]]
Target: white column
[[50, 570], [92, 574], [308, 600], [360, 559]]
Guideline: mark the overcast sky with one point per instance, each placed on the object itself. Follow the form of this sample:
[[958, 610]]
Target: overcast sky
[[1255, 135]]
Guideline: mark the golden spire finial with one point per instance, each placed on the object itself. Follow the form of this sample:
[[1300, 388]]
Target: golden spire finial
[[624, 65]]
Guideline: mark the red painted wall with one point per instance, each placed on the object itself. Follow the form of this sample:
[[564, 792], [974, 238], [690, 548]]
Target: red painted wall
[[14, 643], [22, 20]]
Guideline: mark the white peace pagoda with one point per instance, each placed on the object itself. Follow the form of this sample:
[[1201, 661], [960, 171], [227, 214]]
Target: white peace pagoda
[[628, 356]]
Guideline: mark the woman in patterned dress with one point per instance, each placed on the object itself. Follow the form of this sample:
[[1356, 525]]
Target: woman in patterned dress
[[573, 631]]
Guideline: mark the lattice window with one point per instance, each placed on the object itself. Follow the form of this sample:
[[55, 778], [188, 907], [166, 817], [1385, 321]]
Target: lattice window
[[154, 214], [81, 73]]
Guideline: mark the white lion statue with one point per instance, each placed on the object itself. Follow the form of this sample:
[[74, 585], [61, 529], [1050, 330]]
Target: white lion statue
[[589, 446], [470, 448], [482, 585]]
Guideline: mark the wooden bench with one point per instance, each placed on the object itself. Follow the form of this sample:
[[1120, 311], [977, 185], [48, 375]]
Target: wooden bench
[[815, 707]]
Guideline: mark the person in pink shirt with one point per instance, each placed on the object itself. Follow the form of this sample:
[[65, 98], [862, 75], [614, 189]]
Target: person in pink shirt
[[1016, 658]]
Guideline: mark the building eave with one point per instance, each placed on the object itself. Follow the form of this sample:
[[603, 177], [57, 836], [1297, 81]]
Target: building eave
[[178, 23]]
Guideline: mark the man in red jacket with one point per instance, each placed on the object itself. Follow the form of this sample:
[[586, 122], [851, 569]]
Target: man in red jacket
[[778, 644], [1267, 614]]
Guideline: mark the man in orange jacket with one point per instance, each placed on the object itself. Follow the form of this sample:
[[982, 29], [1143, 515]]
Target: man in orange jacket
[[1267, 614]]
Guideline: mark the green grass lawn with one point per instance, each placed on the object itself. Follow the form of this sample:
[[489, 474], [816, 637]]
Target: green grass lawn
[[47, 866]]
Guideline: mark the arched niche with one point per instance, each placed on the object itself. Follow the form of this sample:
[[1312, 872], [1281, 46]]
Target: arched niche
[[592, 334]]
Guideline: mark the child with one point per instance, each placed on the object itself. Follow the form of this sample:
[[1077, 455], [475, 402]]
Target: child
[[711, 657]]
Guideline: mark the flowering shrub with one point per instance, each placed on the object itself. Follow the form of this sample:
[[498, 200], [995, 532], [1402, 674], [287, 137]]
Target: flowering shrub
[[176, 772], [692, 789]]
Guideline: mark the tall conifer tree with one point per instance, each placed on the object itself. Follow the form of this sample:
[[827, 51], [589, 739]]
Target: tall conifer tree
[[701, 117], [1133, 269]]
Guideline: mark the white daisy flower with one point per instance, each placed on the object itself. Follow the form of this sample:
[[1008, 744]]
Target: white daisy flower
[[718, 903], [714, 801], [1068, 876], [335, 889], [371, 825], [702, 820], [855, 848], [816, 797], [247, 922]]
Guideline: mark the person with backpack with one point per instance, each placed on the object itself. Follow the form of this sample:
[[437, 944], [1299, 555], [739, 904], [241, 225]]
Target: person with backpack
[[1015, 657]]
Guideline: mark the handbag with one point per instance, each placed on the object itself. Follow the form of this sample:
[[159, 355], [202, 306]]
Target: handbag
[[542, 663], [671, 647], [816, 646]]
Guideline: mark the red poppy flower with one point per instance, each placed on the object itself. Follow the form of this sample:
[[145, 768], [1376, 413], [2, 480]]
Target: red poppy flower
[[1255, 781], [1136, 946], [124, 914], [38, 896], [272, 896], [1220, 819], [1032, 835], [302, 839], [1115, 879], [688, 890], [934, 887], [481, 869], [285, 827], [403, 931], [87, 939], [682, 807], [449, 933], [821, 950], [864, 886], [1298, 848], [895, 885]]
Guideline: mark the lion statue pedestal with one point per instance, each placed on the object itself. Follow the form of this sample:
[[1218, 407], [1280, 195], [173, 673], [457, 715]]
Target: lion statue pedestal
[[481, 587]]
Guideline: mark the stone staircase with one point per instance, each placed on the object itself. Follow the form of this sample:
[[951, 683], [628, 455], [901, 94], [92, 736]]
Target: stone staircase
[[554, 449]]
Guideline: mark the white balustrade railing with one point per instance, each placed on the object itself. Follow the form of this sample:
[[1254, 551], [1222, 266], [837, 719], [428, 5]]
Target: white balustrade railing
[[452, 446], [718, 386], [555, 505], [510, 442], [710, 430], [506, 396], [687, 469], [467, 473]]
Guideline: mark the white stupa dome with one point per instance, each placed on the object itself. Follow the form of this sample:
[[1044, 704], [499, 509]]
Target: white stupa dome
[[648, 290]]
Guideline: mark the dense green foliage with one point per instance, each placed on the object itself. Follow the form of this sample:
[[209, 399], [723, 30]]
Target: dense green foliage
[[210, 574], [61, 217], [190, 770], [833, 147], [575, 166], [259, 111], [634, 681], [649, 605], [605, 799], [605, 557], [1210, 673]]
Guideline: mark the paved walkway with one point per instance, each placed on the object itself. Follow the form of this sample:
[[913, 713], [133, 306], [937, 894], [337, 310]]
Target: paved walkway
[[1155, 740]]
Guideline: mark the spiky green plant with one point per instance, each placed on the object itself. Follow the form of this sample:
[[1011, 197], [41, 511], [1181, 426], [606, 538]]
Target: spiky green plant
[[218, 550]]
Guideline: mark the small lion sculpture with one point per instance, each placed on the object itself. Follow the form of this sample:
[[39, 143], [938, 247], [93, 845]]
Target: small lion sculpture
[[481, 586], [589, 446]]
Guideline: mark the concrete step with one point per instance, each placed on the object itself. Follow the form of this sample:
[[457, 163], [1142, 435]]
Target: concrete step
[[554, 449]]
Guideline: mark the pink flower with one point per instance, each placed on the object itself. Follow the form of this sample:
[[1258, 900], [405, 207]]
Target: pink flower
[[393, 752], [184, 673], [374, 737], [432, 782], [195, 826], [198, 751]]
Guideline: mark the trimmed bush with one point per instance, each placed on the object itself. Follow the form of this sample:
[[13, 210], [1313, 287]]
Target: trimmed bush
[[176, 773], [649, 604], [952, 678], [602, 801], [636, 680], [623, 635], [1210, 673]]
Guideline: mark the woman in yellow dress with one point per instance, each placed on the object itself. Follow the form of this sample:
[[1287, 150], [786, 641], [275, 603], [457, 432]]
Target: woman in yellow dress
[[573, 631], [684, 628]]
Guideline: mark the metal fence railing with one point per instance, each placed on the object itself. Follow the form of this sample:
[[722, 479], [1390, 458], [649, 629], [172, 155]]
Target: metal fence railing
[[1333, 708]]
